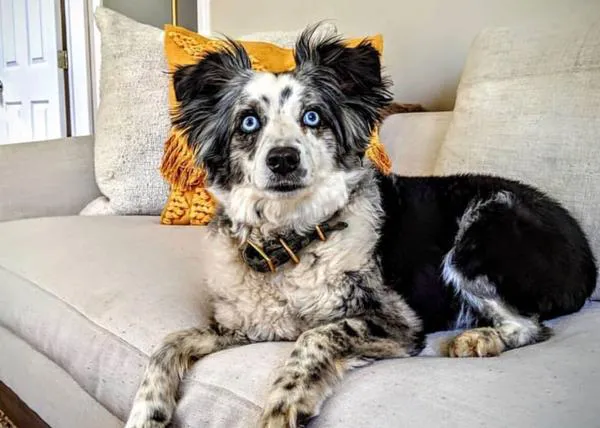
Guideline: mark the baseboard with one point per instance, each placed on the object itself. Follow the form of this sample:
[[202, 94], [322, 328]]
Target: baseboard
[[17, 411]]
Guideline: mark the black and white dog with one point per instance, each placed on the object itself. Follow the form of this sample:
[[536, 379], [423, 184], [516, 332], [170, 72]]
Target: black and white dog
[[319, 248]]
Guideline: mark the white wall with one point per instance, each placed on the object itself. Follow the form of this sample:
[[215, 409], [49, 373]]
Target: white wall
[[426, 41], [156, 12]]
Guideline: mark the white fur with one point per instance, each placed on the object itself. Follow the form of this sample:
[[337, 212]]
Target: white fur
[[281, 305], [452, 276]]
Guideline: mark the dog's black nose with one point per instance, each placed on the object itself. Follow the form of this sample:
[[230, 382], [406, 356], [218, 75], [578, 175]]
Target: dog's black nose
[[283, 160]]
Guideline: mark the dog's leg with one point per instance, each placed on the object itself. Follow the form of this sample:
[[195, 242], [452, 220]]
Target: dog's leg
[[509, 330], [154, 402], [320, 358], [466, 268]]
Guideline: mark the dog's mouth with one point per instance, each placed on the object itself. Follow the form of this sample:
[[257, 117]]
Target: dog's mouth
[[285, 187]]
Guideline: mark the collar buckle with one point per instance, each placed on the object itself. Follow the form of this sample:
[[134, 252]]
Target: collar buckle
[[260, 251]]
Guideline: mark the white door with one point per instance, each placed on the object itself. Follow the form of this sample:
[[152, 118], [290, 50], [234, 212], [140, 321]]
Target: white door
[[32, 84]]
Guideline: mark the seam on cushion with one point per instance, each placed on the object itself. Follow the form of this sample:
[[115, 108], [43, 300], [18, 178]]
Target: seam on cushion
[[62, 369], [207, 385], [212, 389], [447, 118], [75, 310]]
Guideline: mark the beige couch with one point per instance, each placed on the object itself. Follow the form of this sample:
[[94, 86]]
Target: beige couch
[[84, 300]]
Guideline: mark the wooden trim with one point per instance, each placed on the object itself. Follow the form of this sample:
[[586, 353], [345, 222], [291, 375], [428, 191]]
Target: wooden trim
[[17, 411], [79, 73], [95, 57], [63, 45], [174, 12], [203, 17]]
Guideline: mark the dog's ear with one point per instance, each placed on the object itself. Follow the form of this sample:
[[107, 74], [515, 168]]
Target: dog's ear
[[210, 73], [358, 68], [350, 74], [206, 93]]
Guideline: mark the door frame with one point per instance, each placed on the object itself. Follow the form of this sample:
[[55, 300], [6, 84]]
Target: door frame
[[76, 43]]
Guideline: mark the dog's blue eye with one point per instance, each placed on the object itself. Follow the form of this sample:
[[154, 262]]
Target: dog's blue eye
[[250, 124], [311, 118]]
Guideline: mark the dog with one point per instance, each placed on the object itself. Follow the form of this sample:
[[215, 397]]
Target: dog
[[318, 247]]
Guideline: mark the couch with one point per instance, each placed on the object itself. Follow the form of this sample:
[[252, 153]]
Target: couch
[[85, 299]]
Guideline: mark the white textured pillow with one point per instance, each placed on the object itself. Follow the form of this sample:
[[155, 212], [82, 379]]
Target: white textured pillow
[[133, 117], [528, 107]]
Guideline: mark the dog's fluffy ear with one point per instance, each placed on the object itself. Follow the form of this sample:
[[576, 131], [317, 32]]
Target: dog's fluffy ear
[[356, 72], [210, 73], [206, 92]]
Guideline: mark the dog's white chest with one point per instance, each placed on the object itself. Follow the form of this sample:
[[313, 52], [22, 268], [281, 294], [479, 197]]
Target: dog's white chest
[[283, 304]]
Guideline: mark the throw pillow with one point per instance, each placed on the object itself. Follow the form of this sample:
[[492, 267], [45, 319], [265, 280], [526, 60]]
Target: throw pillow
[[527, 108], [189, 202], [133, 118]]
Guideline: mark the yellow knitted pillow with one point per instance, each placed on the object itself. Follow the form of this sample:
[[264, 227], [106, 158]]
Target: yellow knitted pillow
[[189, 202]]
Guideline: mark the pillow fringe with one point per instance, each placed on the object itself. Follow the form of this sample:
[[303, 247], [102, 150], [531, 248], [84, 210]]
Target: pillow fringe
[[178, 164]]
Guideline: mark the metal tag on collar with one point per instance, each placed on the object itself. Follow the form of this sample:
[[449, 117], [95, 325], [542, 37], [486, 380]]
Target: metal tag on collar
[[260, 252], [320, 233]]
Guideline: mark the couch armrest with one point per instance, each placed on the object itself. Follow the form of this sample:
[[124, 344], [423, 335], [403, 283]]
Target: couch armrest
[[47, 178], [413, 140]]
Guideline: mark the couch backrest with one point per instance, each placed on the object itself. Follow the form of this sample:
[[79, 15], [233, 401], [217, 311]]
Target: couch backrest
[[528, 108], [413, 141]]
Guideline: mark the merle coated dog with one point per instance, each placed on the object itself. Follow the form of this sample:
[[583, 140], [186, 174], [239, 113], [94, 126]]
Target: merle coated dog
[[318, 247]]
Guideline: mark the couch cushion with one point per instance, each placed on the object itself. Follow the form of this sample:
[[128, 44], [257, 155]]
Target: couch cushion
[[413, 140], [97, 294], [527, 108], [23, 369]]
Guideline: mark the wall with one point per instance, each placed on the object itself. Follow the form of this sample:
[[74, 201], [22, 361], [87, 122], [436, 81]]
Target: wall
[[426, 41], [156, 12]]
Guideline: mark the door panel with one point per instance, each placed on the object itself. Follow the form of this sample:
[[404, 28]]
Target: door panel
[[14, 125], [33, 84], [39, 119], [9, 41], [36, 31]]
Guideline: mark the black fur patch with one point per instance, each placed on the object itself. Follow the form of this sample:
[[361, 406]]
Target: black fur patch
[[533, 252], [207, 92], [375, 329], [349, 330], [349, 86], [285, 95], [158, 415]]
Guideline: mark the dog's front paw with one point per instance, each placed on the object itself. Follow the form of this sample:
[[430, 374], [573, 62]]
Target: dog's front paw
[[479, 342], [282, 414], [147, 418], [291, 403]]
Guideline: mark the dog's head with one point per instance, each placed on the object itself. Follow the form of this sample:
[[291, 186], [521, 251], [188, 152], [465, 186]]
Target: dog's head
[[282, 147]]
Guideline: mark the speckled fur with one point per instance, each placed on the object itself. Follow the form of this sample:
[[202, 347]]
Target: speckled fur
[[418, 255]]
